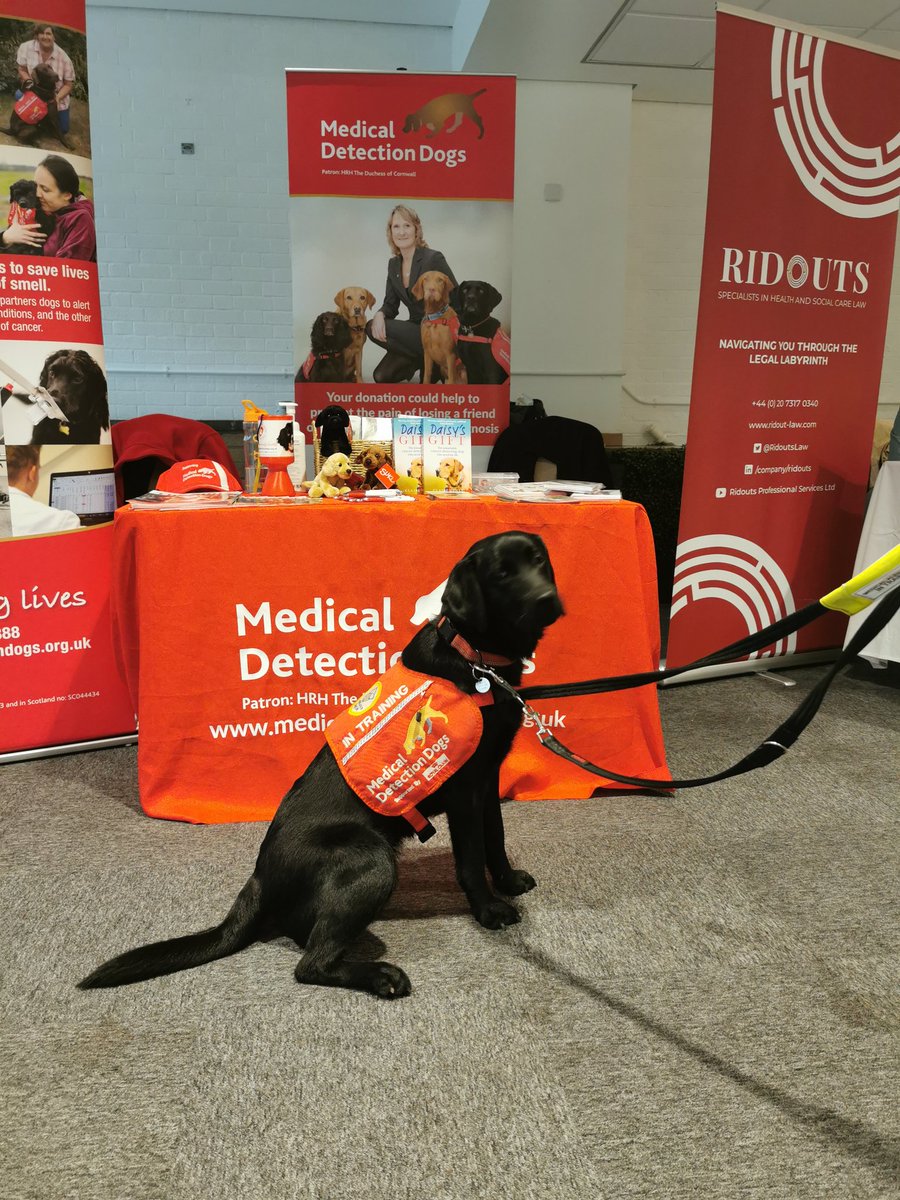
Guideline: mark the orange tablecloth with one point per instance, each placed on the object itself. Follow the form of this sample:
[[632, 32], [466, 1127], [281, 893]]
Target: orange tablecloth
[[243, 631]]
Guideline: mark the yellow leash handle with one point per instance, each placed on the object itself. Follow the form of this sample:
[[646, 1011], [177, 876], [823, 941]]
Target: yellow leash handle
[[866, 587]]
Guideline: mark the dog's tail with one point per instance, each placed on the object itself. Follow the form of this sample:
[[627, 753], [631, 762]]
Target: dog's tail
[[236, 932]]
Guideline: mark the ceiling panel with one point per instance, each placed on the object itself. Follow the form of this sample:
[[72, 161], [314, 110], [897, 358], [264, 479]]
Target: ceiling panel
[[685, 8], [656, 41], [884, 37]]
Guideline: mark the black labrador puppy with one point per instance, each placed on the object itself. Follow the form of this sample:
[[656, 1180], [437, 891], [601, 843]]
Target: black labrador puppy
[[25, 209], [327, 864], [77, 384], [332, 423], [475, 301]]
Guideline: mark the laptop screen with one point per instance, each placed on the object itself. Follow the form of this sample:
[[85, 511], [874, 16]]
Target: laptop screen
[[87, 493]]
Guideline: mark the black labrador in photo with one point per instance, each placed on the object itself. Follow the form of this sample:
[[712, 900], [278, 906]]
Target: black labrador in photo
[[475, 301], [78, 385], [329, 337], [332, 423], [327, 865], [25, 209], [42, 84]]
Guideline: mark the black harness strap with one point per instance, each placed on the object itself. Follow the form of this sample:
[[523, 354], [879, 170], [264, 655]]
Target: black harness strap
[[773, 747]]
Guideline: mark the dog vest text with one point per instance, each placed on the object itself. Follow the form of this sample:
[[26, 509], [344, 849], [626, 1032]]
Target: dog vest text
[[31, 109], [404, 738]]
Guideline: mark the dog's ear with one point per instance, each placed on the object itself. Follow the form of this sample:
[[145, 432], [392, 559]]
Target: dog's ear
[[493, 295], [48, 364], [339, 300], [417, 287], [463, 599], [370, 299]]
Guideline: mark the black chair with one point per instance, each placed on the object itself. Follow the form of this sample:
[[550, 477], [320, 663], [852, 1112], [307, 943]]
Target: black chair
[[574, 447]]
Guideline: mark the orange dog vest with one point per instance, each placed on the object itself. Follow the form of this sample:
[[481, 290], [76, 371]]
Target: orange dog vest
[[402, 739]]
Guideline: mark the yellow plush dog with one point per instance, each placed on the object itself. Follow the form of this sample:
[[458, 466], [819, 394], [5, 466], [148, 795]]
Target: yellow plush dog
[[332, 476]]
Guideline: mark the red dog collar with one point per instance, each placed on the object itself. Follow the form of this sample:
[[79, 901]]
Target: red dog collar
[[478, 658]]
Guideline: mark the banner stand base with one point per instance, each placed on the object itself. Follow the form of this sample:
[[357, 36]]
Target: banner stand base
[[125, 739], [754, 666], [771, 677]]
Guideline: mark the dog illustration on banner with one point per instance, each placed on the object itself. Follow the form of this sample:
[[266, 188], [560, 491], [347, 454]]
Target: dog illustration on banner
[[434, 115]]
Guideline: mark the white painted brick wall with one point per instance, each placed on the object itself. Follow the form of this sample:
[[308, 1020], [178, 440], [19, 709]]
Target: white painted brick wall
[[666, 222], [195, 274]]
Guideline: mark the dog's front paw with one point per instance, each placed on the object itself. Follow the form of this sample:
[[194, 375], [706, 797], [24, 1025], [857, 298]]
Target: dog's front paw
[[514, 883], [496, 914], [388, 981]]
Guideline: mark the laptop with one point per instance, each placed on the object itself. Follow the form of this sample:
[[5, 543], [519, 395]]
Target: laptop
[[91, 495]]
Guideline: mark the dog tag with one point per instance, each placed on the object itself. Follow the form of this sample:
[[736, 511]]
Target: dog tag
[[482, 684]]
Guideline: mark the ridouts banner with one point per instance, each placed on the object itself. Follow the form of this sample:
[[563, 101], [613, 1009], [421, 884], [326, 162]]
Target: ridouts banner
[[396, 179], [804, 186], [58, 680]]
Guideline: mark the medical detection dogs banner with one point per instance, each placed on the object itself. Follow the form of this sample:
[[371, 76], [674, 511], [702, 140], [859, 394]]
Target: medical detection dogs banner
[[58, 680], [801, 224], [401, 189]]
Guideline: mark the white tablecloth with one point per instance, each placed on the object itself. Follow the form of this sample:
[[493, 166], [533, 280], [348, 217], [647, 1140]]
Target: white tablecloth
[[880, 533]]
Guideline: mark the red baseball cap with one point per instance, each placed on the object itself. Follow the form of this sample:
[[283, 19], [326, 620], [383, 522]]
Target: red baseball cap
[[197, 475]]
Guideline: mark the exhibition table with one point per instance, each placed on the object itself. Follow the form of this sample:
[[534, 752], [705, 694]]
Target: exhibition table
[[880, 533], [243, 631]]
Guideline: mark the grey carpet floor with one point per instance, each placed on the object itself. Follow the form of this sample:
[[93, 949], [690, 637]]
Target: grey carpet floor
[[700, 1001]]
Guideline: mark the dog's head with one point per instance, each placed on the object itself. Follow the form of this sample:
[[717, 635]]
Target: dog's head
[[433, 288], [332, 423], [23, 192], [412, 122], [352, 303], [374, 458], [336, 466], [43, 81], [502, 595], [78, 385], [450, 469], [476, 300], [330, 333], [415, 468]]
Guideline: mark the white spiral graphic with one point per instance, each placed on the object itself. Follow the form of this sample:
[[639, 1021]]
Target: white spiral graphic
[[719, 566], [856, 181]]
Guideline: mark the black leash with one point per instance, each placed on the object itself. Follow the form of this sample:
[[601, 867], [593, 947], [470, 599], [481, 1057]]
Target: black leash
[[773, 747]]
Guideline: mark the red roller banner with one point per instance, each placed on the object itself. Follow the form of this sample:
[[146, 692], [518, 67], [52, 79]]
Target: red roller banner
[[58, 680], [392, 177], [801, 223]]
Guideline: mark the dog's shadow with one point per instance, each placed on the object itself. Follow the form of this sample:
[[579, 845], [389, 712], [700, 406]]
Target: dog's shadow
[[426, 887]]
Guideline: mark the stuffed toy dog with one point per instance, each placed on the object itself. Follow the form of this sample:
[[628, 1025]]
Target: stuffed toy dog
[[373, 460], [333, 475]]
